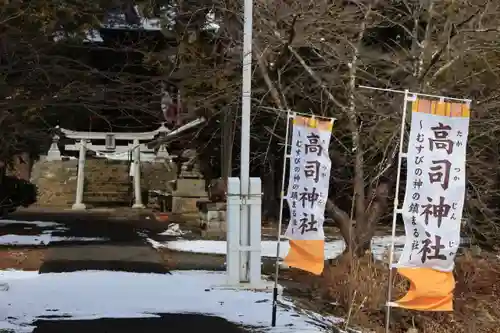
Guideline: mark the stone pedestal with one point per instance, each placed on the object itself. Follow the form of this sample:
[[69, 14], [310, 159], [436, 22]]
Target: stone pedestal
[[190, 174], [191, 188], [183, 205], [187, 193], [212, 217]]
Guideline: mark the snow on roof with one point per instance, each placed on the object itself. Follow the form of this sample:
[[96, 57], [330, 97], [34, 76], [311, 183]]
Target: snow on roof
[[117, 21]]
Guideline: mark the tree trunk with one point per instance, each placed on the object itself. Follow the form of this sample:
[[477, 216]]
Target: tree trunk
[[378, 206], [269, 203], [342, 220]]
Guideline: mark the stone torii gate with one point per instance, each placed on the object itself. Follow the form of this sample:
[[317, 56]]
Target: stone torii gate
[[84, 142]]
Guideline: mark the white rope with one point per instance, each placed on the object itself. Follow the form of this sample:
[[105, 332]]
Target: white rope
[[118, 156]]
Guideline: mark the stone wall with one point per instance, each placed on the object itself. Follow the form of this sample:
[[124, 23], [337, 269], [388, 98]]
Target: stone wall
[[56, 182], [106, 181]]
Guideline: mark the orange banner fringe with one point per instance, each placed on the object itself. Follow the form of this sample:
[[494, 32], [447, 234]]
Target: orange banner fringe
[[430, 290], [308, 255]]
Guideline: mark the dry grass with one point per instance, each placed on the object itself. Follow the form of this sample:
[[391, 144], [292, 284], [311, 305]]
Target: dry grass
[[359, 289]]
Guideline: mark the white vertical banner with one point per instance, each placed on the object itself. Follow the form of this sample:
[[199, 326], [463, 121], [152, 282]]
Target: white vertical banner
[[309, 177], [435, 184]]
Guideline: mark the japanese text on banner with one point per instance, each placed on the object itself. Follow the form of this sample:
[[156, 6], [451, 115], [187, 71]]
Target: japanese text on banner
[[309, 177], [435, 185]]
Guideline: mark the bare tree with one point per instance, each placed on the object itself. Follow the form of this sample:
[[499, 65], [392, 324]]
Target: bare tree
[[311, 56]]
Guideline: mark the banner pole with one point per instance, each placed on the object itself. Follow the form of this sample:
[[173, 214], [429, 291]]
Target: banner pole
[[396, 210], [466, 100], [280, 220]]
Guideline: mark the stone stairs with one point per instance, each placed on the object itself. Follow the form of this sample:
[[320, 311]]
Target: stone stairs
[[107, 183]]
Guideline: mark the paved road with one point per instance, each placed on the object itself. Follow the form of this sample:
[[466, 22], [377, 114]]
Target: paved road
[[165, 323], [93, 218], [126, 258], [121, 244]]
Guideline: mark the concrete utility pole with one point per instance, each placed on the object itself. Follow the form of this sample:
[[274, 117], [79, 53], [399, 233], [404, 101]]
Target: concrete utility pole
[[246, 105], [244, 194]]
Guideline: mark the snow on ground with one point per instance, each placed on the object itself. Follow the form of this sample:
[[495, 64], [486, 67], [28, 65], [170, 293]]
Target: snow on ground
[[39, 224], [380, 247], [43, 239], [99, 294], [173, 229]]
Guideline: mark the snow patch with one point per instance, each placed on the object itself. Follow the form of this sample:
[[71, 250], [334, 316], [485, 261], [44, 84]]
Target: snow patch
[[173, 229], [40, 224], [93, 295], [42, 239], [380, 247]]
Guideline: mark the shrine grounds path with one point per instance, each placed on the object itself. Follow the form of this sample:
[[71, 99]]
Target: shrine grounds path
[[124, 248], [164, 323]]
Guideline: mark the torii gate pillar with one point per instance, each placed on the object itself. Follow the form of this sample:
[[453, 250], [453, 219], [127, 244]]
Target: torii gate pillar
[[79, 205]]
